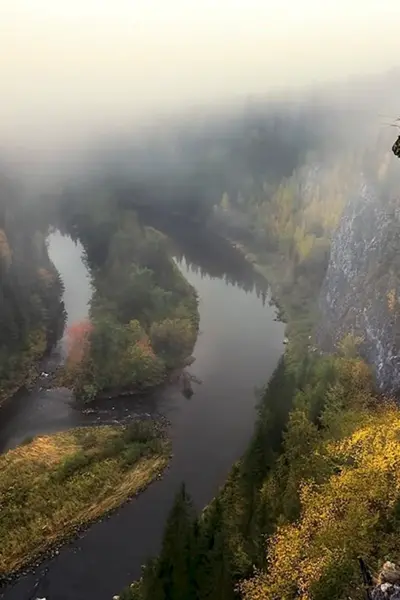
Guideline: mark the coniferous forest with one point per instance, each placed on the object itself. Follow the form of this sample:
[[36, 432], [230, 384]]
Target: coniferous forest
[[30, 289]]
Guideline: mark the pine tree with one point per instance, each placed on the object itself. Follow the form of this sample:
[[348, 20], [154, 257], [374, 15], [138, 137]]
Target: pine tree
[[214, 580], [172, 577]]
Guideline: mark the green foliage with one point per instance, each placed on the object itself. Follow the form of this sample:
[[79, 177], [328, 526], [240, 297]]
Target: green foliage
[[144, 317], [71, 465], [204, 557], [315, 489], [172, 340], [30, 289], [172, 575], [140, 431], [349, 345]]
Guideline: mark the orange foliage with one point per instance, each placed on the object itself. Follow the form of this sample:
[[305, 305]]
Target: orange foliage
[[78, 340], [145, 346]]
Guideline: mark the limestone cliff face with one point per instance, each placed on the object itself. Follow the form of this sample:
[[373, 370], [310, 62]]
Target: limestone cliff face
[[361, 291]]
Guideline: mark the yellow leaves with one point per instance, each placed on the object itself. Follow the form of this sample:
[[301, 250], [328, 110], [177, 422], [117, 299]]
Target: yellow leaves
[[5, 250], [136, 330], [392, 300], [375, 446], [304, 242], [347, 496], [349, 345]]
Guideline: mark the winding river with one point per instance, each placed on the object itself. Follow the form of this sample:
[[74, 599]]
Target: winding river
[[238, 347]]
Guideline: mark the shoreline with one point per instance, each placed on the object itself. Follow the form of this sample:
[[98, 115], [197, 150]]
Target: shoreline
[[53, 335], [145, 471], [299, 322], [53, 548]]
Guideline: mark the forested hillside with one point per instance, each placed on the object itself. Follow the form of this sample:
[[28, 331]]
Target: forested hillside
[[30, 289], [317, 487], [286, 229], [301, 505], [272, 179]]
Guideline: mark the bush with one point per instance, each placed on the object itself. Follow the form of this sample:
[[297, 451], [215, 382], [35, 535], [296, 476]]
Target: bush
[[112, 448], [72, 464], [132, 454], [173, 340], [139, 431], [88, 440]]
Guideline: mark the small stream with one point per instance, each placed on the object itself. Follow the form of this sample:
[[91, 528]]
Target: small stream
[[238, 347]]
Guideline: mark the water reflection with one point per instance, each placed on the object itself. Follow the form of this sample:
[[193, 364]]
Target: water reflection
[[209, 255], [67, 256], [237, 349]]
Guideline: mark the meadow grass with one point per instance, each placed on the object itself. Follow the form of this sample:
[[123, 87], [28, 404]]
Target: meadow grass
[[56, 484]]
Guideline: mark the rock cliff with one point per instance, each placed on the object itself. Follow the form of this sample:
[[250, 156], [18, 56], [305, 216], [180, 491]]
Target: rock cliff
[[361, 291]]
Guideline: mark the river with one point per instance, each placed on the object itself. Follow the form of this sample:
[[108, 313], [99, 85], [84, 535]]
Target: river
[[238, 347]]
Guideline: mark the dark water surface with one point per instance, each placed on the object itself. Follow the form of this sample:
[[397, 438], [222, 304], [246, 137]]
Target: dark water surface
[[42, 410], [237, 349]]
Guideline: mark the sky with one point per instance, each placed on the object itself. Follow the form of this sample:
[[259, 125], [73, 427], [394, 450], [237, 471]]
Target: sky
[[71, 67]]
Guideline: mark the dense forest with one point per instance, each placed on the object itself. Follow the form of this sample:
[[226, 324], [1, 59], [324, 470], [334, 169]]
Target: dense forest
[[30, 289], [143, 314], [272, 179], [317, 487]]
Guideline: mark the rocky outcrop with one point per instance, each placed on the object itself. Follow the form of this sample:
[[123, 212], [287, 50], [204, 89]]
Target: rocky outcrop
[[388, 584], [361, 291]]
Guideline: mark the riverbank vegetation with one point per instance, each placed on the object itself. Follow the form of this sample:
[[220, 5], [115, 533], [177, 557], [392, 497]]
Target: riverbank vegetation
[[317, 487], [30, 290], [143, 313], [306, 500], [56, 484], [285, 227], [273, 180]]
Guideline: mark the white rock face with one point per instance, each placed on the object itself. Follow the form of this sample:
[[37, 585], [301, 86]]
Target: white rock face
[[361, 291]]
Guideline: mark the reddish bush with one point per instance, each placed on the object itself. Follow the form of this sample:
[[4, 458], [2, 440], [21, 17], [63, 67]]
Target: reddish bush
[[78, 341]]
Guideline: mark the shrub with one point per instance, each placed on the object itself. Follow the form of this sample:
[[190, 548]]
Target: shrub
[[72, 464]]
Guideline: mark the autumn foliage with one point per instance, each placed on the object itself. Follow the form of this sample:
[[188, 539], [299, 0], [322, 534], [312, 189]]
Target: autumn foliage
[[337, 493], [78, 335]]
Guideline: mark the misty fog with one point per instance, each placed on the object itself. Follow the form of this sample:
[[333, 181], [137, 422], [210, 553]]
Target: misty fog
[[81, 73]]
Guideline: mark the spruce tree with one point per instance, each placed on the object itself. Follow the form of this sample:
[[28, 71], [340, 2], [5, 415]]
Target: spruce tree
[[174, 573]]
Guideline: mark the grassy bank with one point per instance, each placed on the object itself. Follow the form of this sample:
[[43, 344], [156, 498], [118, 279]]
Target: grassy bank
[[54, 485]]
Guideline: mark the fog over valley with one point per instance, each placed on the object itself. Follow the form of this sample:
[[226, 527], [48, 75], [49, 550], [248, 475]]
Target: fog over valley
[[199, 299], [75, 70]]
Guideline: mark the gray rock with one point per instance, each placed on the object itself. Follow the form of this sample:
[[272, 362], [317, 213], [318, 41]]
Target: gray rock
[[385, 591], [388, 586], [361, 291]]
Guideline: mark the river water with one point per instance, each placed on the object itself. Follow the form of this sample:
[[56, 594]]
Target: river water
[[238, 347]]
